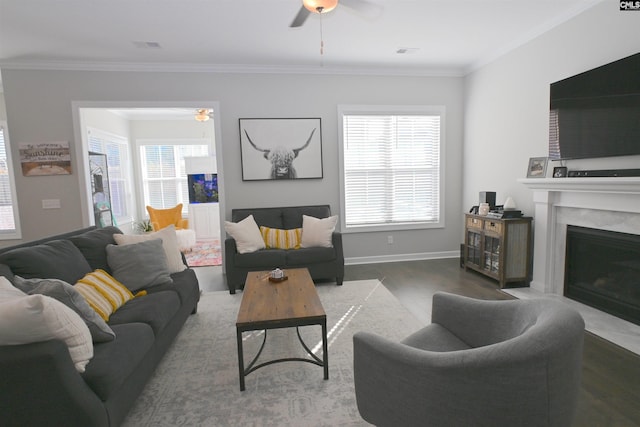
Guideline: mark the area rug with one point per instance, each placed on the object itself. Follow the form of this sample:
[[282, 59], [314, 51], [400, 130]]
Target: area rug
[[196, 384], [204, 253]]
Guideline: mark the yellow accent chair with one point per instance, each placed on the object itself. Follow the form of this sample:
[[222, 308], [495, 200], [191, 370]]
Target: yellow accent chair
[[161, 218]]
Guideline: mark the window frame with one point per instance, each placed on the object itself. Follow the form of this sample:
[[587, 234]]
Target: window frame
[[16, 232], [141, 167], [392, 110]]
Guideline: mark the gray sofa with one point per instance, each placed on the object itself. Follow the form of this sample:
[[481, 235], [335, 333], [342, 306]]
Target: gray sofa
[[479, 363], [39, 384], [323, 263]]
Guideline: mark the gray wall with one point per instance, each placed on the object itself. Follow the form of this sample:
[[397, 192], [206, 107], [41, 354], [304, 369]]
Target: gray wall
[[239, 96], [507, 101]]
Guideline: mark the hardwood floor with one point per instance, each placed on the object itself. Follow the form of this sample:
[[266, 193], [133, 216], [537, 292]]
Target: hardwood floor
[[610, 393]]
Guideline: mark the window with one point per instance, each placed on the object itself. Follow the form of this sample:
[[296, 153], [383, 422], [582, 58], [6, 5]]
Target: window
[[164, 177], [390, 167], [9, 220], [117, 150]]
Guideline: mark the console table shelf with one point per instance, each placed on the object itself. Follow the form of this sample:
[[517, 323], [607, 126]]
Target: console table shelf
[[498, 248]]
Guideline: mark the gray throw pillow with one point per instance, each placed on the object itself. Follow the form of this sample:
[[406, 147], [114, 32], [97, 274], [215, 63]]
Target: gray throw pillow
[[69, 296], [139, 265]]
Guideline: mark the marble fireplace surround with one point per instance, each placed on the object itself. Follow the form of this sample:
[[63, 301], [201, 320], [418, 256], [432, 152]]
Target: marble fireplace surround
[[611, 204]]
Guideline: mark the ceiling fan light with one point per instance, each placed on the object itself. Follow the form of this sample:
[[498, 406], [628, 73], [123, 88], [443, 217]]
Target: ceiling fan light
[[202, 115], [320, 5]]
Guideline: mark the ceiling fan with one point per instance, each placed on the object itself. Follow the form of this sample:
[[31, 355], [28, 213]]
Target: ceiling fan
[[203, 114], [323, 6]]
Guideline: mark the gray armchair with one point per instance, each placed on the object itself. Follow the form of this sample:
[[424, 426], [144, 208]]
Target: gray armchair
[[479, 363]]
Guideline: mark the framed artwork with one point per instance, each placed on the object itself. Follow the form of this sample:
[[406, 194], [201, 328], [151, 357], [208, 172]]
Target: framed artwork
[[560, 172], [280, 149], [537, 167], [45, 158]]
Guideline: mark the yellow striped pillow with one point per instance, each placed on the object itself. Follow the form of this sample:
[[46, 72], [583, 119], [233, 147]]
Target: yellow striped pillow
[[281, 239], [103, 293]]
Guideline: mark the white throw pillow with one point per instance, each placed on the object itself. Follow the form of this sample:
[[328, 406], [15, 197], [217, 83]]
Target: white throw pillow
[[169, 244], [318, 232], [36, 318], [8, 291], [246, 234]]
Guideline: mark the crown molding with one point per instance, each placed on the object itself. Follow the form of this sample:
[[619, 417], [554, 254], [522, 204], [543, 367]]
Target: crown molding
[[231, 68], [533, 34]]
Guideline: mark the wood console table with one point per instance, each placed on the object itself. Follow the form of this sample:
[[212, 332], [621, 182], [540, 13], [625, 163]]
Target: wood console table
[[498, 248]]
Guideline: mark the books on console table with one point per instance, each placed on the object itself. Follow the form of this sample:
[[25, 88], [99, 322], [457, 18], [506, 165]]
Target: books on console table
[[504, 214]]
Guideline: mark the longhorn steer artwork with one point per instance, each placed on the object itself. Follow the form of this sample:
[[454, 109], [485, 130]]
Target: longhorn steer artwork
[[281, 158]]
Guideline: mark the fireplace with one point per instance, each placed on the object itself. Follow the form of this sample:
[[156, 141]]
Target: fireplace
[[602, 270]]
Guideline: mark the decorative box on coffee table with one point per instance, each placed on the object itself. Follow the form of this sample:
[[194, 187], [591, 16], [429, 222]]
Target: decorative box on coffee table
[[498, 247]]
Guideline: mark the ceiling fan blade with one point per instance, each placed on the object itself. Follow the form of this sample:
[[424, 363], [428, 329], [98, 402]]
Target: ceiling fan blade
[[364, 7], [302, 15]]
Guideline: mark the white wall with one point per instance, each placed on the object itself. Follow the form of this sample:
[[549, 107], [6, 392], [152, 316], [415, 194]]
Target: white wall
[[507, 101], [239, 96]]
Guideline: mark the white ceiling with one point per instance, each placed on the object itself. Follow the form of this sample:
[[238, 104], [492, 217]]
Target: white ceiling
[[451, 37]]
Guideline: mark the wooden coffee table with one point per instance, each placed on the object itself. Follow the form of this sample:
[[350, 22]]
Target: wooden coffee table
[[290, 303]]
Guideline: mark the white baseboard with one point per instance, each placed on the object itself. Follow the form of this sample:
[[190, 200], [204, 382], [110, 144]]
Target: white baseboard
[[401, 257]]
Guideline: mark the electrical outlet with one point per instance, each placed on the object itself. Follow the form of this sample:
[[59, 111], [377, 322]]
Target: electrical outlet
[[390, 240], [51, 204]]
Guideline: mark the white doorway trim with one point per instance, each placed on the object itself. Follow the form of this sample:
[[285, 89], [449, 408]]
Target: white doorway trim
[[81, 145]]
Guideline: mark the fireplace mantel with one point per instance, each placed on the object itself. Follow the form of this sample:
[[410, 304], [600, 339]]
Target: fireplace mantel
[[592, 185], [611, 203]]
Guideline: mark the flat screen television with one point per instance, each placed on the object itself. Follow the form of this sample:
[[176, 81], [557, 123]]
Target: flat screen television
[[203, 188], [596, 113]]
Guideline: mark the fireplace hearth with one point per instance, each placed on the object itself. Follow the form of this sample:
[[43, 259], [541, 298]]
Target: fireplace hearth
[[602, 270]]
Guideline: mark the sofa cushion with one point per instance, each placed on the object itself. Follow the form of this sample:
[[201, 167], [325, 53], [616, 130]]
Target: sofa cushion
[[103, 293], [246, 234], [5, 271], [276, 238], [435, 337], [57, 259], [292, 216], [114, 361], [156, 310], [269, 217], [266, 259], [69, 296], [184, 283], [306, 256], [35, 318], [8, 291], [139, 265], [169, 245], [318, 231], [93, 245]]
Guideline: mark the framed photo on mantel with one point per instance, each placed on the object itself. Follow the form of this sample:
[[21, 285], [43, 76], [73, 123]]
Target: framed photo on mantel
[[537, 167]]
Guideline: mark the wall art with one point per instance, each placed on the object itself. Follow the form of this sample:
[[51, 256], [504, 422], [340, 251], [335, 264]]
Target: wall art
[[275, 149], [45, 158]]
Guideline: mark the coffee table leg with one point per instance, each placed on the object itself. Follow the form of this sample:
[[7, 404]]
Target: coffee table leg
[[240, 358], [325, 350]]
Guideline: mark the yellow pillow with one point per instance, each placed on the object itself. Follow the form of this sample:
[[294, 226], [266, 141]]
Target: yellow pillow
[[103, 293], [281, 239]]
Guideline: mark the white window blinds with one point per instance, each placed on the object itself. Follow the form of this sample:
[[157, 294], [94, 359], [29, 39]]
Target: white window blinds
[[163, 172], [8, 207], [391, 169]]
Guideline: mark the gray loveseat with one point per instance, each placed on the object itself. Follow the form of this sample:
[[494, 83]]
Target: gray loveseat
[[323, 263], [39, 385]]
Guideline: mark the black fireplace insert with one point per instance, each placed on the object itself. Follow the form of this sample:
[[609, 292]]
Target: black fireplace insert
[[602, 270]]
